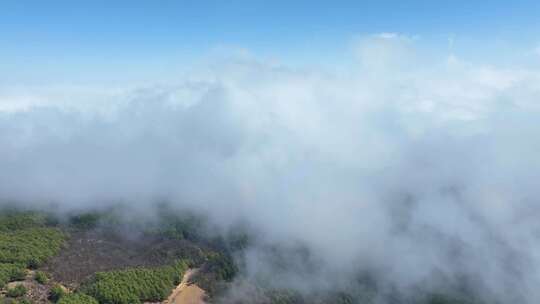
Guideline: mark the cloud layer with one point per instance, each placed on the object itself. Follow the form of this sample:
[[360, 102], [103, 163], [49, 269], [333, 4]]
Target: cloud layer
[[408, 166]]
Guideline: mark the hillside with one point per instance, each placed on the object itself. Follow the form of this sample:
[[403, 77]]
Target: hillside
[[98, 257], [89, 257]]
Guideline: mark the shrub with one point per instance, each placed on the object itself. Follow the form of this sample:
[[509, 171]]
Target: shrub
[[17, 291], [18, 273], [11, 220], [85, 221], [30, 247], [135, 285], [15, 301], [284, 296], [11, 272], [447, 299], [221, 264], [21, 301], [77, 298], [57, 292], [41, 277], [176, 224]]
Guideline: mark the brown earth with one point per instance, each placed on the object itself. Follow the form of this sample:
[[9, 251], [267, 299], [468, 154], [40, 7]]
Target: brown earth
[[186, 292]]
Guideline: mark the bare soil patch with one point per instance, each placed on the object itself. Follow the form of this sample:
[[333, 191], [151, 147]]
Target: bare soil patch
[[186, 292]]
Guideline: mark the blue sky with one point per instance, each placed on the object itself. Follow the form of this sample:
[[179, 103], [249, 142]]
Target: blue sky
[[62, 40]]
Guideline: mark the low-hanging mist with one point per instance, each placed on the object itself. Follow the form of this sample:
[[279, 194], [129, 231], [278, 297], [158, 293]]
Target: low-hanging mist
[[408, 167]]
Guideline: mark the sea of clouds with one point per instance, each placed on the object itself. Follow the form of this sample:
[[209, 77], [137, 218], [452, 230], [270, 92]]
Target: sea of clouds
[[411, 167]]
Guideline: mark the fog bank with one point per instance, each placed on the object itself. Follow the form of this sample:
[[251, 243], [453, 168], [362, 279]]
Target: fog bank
[[413, 168]]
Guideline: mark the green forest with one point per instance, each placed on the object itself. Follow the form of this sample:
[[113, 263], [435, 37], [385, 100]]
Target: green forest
[[133, 286]]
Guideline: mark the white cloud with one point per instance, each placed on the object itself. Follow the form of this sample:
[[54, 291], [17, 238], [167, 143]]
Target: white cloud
[[387, 35], [399, 163]]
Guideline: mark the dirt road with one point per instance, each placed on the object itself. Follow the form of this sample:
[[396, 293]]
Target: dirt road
[[186, 293]]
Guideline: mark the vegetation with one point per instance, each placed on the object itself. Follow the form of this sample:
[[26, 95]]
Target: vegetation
[[176, 224], [41, 277], [16, 301], [135, 285], [222, 265], [11, 220], [447, 299], [17, 291], [87, 220], [30, 247], [11, 272], [284, 297], [77, 298], [56, 293], [28, 239]]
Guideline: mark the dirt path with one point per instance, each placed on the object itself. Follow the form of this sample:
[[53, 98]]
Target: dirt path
[[186, 293]]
